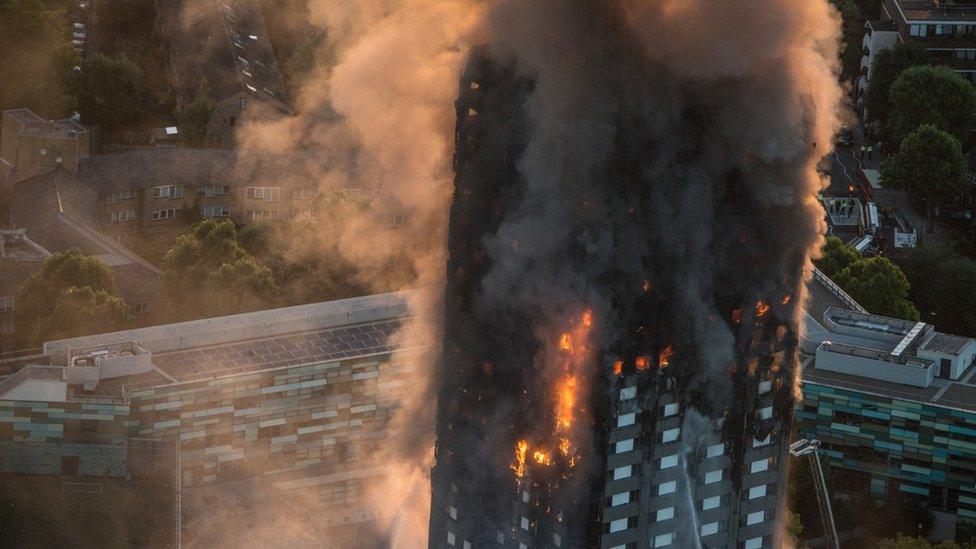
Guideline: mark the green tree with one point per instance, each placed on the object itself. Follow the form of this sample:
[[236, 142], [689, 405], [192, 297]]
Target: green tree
[[888, 65], [794, 528], [878, 285], [853, 34], [112, 91], [72, 294], [836, 256], [930, 95], [192, 120], [36, 57], [943, 287], [208, 273], [929, 164], [129, 18]]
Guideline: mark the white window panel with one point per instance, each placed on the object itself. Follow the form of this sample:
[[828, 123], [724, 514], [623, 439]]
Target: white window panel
[[452, 510], [766, 413], [619, 547], [712, 477], [525, 523], [523, 546], [765, 387], [628, 393], [467, 544], [664, 514], [668, 487], [711, 503], [757, 491], [716, 450], [626, 420], [620, 499], [622, 472], [759, 466], [757, 442], [670, 409], [557, 540], [450, 538], [525, 496], [624, 446], [709, 529], [670, 435], [663, 540], [7, 303], [755, 518], [669, 461], [618, 525], [754, 543]]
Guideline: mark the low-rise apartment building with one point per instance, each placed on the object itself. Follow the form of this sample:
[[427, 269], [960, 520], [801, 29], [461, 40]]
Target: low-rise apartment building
[[894, 404], [299, 397], [30, 145]]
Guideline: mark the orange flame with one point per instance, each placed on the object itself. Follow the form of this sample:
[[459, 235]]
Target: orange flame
[[761, 308], [542, 458], [566, 402], [641, 363], [646, 286], [521, 449], [786, 299], [618, 367], [664, 358], [565, 343], [564, 446]]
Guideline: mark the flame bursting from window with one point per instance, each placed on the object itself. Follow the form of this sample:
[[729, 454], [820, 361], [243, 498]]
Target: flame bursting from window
[[521, 449], [664, 357], [761, 308]]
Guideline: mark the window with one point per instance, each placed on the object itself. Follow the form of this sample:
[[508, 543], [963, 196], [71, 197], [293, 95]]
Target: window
[[525, 523], [626, 420], [620, 499], [712, 477], [715, 450], [161, 215], [709, 529], [670, 435], [914, 30], [555, 539], [755, 518], [215, 210], [305, 193], [141, 308], [252, 215], [6, 303], [759, 466], [711, 503], [670, 409], [766, 413], [450, 538], [765, 387], [669, 461], [168, 191], [214, 190], [618, 525], [757, 491], [118, 196], [754, 543], [663, 540], [623, 446], [757, 442], [525, 496], [7, 328], [622, 472], [666, 488], [264, 193], [628, 393], [664, 514], [118, 217]]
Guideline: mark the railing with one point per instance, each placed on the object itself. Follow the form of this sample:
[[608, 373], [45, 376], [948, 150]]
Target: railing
[[31, 372], [837, 291]]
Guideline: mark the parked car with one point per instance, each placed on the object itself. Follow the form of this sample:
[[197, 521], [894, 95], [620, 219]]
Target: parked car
[[78, 31], [845, 137]]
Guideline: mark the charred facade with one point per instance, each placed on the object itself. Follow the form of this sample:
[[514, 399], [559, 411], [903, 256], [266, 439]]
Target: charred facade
[[684, 404]]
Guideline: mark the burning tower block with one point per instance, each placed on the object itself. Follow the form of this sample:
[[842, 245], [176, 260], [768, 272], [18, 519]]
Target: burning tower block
[[660, 420]]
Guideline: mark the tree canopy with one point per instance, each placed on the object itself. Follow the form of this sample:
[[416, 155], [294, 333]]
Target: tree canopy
[[37, 57], [853, 33], [208, 273], [929, 164], [837, 255], [112, 91], [888, 66], [192, 120], [930, 95], [72, 294], [943, 287], [878, 285]]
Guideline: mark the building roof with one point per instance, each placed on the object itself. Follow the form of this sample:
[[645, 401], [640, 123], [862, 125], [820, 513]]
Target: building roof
[[37, 125], [881, 25], [178, 166], [15, 246], [228, 43], [59, 213], [937, 10], [946, 344], [253, 342]]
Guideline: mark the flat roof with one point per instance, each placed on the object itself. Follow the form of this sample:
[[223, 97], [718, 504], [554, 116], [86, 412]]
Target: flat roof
[[946, 344], [930, 10]]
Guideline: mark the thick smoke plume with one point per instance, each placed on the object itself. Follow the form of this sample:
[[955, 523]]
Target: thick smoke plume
[[667, 141]]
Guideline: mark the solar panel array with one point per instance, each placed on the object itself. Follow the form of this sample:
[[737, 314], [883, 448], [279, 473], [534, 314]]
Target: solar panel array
[[288, 350]]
